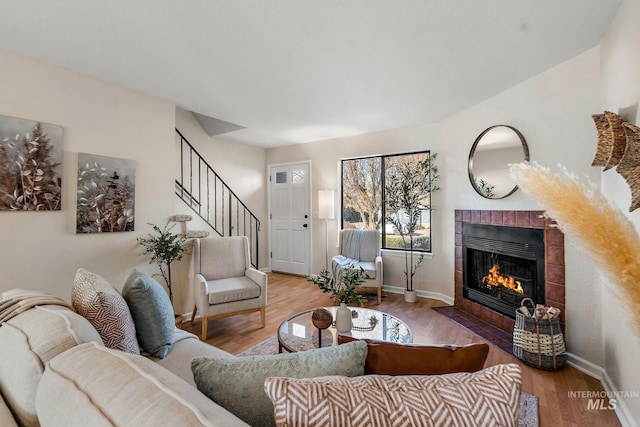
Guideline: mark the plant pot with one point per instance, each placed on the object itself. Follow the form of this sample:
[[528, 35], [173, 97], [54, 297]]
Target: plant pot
[[410, 296], [343, 318]]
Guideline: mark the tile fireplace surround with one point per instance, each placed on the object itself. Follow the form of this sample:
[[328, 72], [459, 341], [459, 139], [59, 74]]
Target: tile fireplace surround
[[554, 261]]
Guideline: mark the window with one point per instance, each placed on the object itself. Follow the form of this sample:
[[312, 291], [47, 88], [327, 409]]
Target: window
[[369, 185]]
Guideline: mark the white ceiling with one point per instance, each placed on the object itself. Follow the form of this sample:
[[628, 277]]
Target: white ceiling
[[293, 71]]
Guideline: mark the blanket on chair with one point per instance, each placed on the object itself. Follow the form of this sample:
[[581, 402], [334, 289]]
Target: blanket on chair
[[17, 301], [350, 242], [340, 263]]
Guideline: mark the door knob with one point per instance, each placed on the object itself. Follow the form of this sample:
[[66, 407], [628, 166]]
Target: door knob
[[304, 225]]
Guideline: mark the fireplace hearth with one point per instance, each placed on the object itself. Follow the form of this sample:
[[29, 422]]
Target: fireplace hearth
[[502, 265], [532, 259]]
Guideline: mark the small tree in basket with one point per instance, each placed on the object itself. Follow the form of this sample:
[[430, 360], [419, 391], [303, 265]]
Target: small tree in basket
[[164, 247]]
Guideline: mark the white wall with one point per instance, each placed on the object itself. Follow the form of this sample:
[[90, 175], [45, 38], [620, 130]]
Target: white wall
[[620, 53], [40, 250]]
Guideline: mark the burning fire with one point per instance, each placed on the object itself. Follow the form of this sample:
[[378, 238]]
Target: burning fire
[[494, 278]]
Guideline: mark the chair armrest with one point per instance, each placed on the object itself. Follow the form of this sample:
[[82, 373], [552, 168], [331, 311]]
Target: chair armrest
[[257, 276], [200, 291], [260, 278], [379, 269]]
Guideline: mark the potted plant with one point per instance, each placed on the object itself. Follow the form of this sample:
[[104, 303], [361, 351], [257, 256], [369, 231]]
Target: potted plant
[[408, 191], [342, 288], [164, 246]]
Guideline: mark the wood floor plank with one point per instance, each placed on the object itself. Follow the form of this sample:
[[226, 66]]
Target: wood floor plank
[[291, 294]]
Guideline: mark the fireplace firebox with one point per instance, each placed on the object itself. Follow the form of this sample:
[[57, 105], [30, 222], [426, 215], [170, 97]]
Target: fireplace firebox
[[502, 265]]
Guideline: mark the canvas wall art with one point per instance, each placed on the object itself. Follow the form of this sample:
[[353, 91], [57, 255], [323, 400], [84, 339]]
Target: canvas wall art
[[30, 165], [106, 194]]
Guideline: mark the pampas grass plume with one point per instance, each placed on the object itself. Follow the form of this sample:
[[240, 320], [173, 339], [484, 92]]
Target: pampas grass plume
[[602, 231]]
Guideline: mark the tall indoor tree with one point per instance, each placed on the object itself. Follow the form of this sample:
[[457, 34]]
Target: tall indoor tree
[[408, 188]]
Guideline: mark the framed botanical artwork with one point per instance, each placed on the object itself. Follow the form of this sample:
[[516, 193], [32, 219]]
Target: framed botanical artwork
[[106, 194], [30, 165]]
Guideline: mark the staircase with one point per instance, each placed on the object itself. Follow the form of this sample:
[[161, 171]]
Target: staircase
[[200, 187]]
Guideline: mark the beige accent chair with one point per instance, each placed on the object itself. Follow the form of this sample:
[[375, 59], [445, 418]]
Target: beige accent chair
[[225, 283], [361, 248]]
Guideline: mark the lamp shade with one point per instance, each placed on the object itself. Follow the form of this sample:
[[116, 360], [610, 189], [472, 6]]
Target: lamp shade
[[326, 204]]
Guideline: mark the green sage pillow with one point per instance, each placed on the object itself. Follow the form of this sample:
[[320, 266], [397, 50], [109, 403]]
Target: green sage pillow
[[237, 384], [152, 313]]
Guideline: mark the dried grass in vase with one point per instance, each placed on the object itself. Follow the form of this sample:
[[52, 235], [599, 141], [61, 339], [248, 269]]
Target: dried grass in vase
[[602, 231]]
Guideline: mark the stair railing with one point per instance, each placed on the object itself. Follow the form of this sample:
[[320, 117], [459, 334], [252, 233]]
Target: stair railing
[[202, 189]]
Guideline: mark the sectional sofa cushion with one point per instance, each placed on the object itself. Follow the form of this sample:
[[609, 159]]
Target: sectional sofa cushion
[[6, 418], [186, 347], [421, 359], [102, 305], [90, 385], [152, 313], [237, 384], [29, 341], [489, 398]]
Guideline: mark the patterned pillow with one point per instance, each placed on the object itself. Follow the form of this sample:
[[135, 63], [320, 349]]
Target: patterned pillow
[[237, 384], [489, 397], [102, 305], [152, 313]]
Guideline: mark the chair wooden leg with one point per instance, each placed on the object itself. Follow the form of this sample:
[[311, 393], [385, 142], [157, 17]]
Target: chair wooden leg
[[379, 295], [263, 315], [205, 322], [193, 315]]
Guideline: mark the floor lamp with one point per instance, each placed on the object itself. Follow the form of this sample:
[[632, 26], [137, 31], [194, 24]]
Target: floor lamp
[[326, 200]]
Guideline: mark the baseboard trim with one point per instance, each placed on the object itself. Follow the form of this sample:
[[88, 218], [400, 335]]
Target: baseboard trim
[[422, 294], [622, 410], [585, 366]]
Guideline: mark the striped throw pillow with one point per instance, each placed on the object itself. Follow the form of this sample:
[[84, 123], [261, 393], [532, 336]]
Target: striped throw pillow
[[489, 397]]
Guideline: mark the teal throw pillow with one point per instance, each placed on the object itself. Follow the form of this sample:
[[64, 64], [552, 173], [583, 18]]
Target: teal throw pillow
[[152, 313], [237, 384]]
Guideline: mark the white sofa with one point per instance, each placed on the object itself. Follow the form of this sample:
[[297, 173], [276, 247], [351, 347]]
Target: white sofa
[[54, 371]]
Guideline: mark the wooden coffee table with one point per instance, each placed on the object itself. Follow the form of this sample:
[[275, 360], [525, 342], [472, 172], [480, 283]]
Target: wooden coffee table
[[298, 333]]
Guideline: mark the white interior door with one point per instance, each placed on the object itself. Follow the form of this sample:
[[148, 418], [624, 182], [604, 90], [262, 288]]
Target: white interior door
[[290, 219]]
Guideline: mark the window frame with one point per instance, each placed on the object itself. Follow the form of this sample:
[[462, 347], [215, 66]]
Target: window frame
[[383, 233]]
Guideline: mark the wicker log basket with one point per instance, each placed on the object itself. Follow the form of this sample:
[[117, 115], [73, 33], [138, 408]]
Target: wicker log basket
[[538, 342]]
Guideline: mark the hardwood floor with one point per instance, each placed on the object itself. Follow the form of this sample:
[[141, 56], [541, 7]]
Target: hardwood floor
[[290, 294]]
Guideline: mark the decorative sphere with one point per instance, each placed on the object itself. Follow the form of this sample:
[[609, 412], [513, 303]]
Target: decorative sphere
[[321, 318]]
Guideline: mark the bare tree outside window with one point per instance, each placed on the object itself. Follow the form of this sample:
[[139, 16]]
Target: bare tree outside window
[[362, 193], [364, 182]]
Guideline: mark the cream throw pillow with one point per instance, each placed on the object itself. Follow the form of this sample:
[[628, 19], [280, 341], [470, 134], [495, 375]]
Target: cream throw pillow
[[489, 398]]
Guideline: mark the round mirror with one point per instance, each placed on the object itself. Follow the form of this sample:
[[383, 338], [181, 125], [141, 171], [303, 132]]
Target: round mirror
[[489, 159]]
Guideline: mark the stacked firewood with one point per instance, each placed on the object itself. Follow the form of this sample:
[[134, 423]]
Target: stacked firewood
[[541, 312]]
